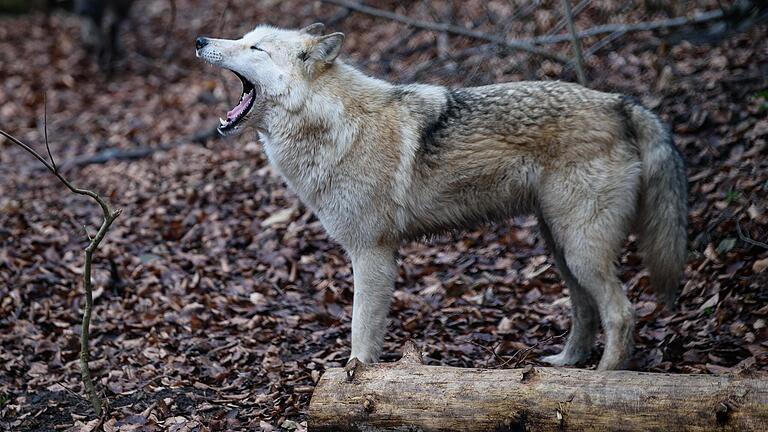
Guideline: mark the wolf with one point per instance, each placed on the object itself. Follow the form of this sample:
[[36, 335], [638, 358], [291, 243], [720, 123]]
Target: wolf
[[380, 163]]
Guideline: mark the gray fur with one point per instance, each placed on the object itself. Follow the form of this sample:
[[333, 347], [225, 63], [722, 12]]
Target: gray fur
[[663, 212], [380, 163]]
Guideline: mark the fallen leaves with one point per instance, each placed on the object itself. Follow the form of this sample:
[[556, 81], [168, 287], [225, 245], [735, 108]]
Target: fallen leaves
[[279, 217], [225, 300], [759, 266]]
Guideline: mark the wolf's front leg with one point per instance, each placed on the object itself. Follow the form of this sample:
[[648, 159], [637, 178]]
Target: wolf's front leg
[[374, 276]]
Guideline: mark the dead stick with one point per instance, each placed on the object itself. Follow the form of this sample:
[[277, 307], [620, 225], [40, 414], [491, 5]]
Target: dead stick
[[746, 239], [109, 217], [529, 44], [449, 28], [170, 28], [628, 28], [614, 31], [563, 21], [116, 154], [576, 43]]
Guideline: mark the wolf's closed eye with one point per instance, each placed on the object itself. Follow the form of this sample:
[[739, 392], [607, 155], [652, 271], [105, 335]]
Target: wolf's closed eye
[[254, 47]]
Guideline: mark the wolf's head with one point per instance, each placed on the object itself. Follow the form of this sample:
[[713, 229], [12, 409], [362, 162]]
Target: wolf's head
[[274, 65]]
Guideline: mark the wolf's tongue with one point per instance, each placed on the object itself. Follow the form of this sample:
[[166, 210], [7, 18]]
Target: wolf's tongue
[[238, 110]]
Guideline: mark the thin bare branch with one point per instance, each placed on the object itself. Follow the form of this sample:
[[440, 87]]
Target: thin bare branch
[[529, 45], [576, 43], [563, 21], [116, 154], [87, 234], [109, 217], [104, 207], [602, 43], [222, 17], [746, 239], [85, 371], [339, 17], [45, 130], [449, 28], [628, 28], [170, 27], [524, 352]]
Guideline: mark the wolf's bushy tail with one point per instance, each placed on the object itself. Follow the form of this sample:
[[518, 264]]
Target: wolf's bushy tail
[[663, 210]]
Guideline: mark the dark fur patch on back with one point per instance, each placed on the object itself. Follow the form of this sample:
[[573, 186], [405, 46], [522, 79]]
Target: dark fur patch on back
[[434, 131], [399, 93], [626, 105]]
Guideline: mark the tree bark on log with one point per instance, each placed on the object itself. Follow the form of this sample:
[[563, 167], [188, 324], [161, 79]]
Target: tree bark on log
[[408, 396]]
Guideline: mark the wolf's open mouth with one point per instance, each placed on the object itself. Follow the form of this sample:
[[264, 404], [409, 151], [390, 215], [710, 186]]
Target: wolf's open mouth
[[243, 107]]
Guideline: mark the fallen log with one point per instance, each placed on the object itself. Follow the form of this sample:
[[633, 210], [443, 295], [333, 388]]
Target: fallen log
[[116, 154], [408, 396]]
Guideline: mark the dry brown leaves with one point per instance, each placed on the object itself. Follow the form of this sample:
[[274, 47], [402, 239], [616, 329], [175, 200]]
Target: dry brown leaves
[[221, 301]]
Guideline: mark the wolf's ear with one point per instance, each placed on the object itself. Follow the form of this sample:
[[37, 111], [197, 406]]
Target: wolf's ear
[[313, 29], [326, 48]]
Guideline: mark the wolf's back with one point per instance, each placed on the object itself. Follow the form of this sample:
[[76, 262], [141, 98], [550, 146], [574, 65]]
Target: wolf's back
[[663, 207]]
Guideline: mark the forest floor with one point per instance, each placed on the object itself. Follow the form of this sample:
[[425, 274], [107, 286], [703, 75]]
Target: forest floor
[[219, 298]]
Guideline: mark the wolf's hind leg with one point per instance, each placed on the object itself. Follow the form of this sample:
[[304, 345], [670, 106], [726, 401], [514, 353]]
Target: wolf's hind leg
[[585, 321], [597, 274], [589, 215], [590, 246], [374, 278]]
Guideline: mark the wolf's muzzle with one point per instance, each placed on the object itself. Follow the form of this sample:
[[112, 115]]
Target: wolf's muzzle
[[201, 42]]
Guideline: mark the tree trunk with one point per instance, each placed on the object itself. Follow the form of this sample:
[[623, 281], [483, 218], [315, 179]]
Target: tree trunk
[[20, 6], [408, 396]]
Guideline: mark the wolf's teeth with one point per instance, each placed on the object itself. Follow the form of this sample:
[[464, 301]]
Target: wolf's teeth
[[223, 122]]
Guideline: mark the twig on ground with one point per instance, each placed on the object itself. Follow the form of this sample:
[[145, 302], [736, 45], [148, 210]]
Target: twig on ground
[[491, 351], [524, 352], [109, 217], [115, 154], [69, 390], [746, 239], [449, 28]]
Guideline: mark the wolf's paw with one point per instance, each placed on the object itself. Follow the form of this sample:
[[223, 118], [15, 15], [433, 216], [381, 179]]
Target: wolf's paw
[[353, 366], [565, 358]]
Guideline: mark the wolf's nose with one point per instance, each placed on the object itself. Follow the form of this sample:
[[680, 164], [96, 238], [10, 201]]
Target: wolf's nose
[[201, 42]]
